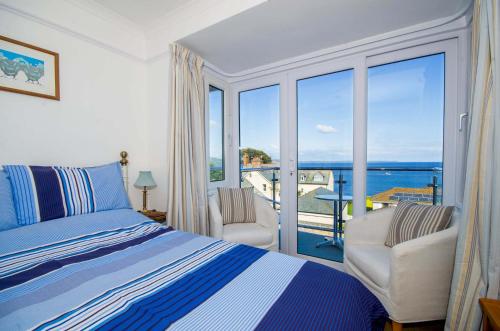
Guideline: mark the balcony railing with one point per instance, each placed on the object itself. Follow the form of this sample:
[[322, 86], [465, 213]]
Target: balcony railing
[[319, 219], [342, 186]]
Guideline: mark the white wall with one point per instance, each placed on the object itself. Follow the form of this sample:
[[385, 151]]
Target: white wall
[[114, 85], [102, 109], [158, 99]]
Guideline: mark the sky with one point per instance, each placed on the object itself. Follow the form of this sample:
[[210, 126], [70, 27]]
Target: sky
[[215, 108], [259, 119], [12, 56], [405, 114]]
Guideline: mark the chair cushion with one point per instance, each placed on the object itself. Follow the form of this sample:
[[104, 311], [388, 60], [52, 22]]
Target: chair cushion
[[247, 233], [237, 205], [373, 260], [411, 221]]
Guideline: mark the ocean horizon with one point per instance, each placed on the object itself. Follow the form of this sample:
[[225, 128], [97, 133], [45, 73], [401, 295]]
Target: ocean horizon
[[382, 180]]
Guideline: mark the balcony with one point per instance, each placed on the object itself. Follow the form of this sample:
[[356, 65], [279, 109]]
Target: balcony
[[324, 198]]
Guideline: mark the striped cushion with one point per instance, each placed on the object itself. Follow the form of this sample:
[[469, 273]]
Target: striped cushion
[[237, 205], [411, 221], [44, 193]]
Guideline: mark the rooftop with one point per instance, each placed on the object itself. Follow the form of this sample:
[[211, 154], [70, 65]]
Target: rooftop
[[308, 203], [395, 194]]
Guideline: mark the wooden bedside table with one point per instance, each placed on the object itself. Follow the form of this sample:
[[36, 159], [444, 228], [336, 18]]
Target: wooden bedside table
[[158, 216], [491, 314]]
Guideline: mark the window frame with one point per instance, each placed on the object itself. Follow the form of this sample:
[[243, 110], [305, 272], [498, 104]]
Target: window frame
[[244, 86], [451, 134], [214, 80], [453, 45], [223, 135]]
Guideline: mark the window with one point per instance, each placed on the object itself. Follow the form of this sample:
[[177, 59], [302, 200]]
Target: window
[[259, 140], [216, 133], [405, 131], [318, 178], [358, 132], [325, 147]]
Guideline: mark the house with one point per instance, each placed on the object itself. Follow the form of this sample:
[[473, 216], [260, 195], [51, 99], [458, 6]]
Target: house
[[309, 180], [392, 196]]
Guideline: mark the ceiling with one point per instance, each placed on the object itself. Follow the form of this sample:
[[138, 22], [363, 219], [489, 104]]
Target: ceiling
[[143, 12], [280, 29]]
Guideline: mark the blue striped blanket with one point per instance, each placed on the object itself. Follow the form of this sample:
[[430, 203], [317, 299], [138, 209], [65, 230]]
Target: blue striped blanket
[[117, 270]]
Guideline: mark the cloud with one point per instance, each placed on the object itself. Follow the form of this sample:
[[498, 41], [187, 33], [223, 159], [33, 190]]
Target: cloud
[[325, 128], [213, 124]]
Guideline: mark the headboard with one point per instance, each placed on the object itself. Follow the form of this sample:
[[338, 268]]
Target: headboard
[[124, 164]]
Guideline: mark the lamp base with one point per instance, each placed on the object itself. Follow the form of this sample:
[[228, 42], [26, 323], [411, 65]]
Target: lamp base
[[144, 199]]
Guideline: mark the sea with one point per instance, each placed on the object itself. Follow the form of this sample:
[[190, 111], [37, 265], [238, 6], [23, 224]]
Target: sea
[[386, 176]]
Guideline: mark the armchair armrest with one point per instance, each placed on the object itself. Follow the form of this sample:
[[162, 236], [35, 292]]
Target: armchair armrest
[[421, 271], [266, 216], [370, 229], [216, 223]]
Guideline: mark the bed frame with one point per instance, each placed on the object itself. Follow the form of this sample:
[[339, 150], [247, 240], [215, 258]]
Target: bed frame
[[124, 165]]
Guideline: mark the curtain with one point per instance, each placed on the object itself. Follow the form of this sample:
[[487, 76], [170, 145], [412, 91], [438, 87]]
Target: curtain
[[187, 165], [477, 262]]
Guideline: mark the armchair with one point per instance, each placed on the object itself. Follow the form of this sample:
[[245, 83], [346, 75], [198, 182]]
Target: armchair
[[411, 279], [262, 234]]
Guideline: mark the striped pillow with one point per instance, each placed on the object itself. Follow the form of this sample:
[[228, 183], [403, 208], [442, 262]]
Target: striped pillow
[[237, 205], [45, 193], [411, 221]]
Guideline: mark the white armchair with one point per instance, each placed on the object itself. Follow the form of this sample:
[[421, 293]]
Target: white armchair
[[262, 234], [411, 279]]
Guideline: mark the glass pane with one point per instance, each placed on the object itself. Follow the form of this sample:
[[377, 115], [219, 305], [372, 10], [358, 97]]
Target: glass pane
[[405, 132], [259, 142], [216, 132], [325, 152]]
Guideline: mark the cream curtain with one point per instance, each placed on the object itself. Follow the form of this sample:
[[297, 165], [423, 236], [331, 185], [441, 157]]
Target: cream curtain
[[477, 262], [187, 170]]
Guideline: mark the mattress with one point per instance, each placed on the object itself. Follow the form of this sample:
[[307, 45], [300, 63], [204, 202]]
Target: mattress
[[119, 270]]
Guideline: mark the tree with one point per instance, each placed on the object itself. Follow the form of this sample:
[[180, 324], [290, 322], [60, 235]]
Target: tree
[[252, 152]]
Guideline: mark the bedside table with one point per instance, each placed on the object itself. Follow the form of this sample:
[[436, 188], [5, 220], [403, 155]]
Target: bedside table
[[158, 216], [491, 314]]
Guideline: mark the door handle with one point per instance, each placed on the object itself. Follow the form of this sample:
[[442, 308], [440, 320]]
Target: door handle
[[461, 118]]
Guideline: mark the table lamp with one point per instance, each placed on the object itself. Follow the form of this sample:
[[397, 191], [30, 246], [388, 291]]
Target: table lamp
[[146, 182]]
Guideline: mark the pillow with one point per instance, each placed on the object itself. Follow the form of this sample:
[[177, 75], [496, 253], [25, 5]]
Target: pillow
[[8, 218], [411, 221], [237, 205], [45, 193]]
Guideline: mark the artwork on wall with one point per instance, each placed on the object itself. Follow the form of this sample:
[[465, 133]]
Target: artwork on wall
[[28, 69]]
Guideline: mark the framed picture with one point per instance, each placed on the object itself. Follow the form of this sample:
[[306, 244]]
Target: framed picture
[[28, 69]]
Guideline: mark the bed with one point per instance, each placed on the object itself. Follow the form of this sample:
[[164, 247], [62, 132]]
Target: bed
[[118, 270]]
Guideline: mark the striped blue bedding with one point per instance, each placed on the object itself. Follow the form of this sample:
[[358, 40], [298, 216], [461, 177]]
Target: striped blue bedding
[[117, 270]]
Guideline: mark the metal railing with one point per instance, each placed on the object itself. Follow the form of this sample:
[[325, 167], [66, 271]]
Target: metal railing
[[339, 184]]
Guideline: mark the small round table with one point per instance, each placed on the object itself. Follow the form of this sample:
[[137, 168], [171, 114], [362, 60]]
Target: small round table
[[337, 218]]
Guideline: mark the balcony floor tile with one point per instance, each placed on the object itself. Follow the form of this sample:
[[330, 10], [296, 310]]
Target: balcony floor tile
[[306, 245]]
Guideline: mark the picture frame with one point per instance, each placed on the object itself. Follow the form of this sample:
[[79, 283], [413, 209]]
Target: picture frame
[[28, 69]]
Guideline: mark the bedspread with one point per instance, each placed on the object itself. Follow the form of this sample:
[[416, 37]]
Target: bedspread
[[117, 270]]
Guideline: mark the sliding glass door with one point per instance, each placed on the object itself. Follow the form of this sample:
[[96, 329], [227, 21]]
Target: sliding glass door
[[259, 143], [329, 142], [324, 155]]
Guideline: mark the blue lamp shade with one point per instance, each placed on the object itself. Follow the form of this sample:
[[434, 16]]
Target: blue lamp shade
[[145, 179]]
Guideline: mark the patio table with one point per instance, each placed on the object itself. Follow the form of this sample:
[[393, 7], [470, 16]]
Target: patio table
[[337, 201]]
